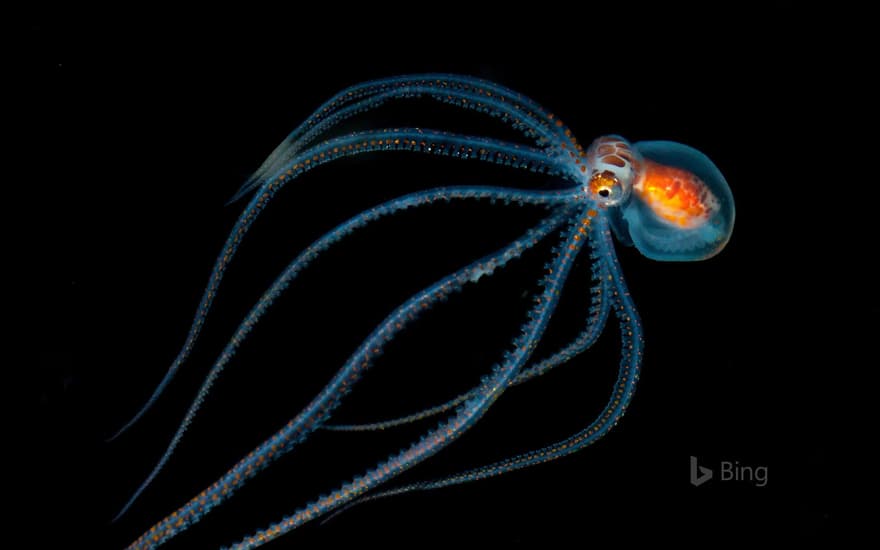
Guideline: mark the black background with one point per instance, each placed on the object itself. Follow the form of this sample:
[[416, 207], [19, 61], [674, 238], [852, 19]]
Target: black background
[[147, 130]]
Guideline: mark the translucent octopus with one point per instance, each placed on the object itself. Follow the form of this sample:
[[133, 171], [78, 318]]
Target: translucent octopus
[[667, 199]]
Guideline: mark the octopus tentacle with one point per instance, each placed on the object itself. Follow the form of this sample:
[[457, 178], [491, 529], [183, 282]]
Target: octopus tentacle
[[624, 387], [490, 389], [424, 141], [320, 408], [304, 259], [598, 314], [520, 112]]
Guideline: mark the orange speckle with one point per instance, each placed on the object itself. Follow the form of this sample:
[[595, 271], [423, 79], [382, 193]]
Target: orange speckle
[[559, 123], [583, 167]]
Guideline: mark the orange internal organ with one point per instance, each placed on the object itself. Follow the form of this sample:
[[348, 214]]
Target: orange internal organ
[[677, 196]]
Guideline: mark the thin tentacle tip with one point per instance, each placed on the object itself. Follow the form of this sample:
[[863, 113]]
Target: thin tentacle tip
[[118, 433], [336, 513], [118, 515], [232, 200]]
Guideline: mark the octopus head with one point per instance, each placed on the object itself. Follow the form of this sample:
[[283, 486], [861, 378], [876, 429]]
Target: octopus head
[[667, 199]]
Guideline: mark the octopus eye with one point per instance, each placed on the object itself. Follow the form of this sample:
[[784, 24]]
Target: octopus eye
[[606, 188]]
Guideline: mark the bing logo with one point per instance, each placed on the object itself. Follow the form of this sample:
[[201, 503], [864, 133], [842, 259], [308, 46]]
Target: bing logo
[[729, 471]]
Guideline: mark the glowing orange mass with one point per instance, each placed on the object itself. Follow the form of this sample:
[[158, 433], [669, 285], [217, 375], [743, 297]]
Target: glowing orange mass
[[675, 195]]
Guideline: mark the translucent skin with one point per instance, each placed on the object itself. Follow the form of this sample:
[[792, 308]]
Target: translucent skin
[[681, 208]]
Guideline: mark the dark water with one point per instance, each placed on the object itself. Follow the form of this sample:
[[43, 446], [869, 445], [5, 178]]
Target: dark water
[[153, 133]]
